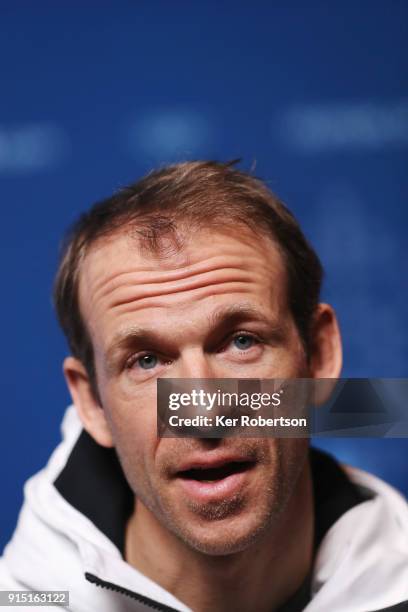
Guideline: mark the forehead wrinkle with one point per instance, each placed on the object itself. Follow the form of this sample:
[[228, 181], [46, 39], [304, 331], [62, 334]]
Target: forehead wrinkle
[[133, 299], [125, 294], [134, 304], [154, 276]]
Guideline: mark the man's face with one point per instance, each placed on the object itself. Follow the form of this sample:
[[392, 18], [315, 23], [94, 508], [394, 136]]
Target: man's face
[[216, 309]]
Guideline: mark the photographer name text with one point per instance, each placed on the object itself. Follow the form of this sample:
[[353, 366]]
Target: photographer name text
[[242, 421]]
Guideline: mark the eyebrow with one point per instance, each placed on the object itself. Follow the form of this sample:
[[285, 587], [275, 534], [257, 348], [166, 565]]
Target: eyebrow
[[129, 337], [223, 317], [235, 314]]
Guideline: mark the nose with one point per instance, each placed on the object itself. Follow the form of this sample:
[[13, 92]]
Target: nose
[[194, 363]]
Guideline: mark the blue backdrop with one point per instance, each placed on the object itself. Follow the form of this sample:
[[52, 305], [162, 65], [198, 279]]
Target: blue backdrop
[[94, 94]]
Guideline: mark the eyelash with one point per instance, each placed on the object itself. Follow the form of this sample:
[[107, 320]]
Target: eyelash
[[242, 333], [134, 358]]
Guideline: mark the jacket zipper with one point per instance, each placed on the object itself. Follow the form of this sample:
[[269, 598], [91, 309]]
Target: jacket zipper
[[150, 603]]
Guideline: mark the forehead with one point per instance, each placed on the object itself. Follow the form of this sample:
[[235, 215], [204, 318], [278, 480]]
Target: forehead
[[120, 281]]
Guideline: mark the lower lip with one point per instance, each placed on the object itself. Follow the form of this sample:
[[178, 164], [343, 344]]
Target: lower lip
[[214, 490]]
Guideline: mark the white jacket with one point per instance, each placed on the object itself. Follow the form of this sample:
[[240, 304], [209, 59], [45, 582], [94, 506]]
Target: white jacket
[[361, 563]]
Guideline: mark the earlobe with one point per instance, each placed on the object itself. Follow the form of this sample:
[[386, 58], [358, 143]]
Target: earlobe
[[326, 354], [90, 411]]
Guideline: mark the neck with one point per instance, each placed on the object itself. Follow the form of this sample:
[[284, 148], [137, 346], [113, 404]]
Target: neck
[[262, 577]]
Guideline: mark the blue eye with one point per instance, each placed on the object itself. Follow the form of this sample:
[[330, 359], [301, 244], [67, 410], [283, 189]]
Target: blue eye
[[147, 362], [243, 342]]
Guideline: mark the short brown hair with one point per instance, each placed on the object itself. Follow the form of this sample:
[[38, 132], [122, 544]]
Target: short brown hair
[[196, 194]]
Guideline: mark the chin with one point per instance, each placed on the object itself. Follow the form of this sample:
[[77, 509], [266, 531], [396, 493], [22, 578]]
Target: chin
[[225, 537]]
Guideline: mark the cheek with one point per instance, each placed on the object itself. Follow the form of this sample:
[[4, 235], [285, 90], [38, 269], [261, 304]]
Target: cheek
[[130, 409], [280, 362], [294, 358], [293, 454], [136, 455], [133, 425]]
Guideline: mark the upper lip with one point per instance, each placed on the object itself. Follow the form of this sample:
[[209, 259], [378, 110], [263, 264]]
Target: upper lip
[[205, 462]]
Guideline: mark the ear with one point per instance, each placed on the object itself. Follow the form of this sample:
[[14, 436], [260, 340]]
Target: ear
[[326, 356], [326, 353], [88, 407]]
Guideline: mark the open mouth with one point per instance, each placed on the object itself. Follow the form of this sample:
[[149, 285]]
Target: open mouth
[[216, 473]]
